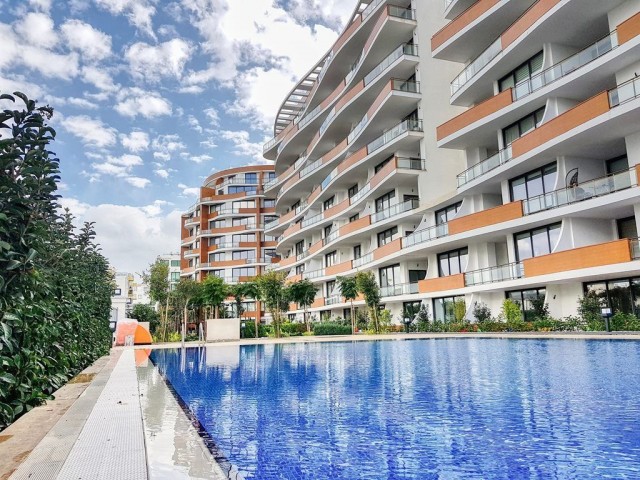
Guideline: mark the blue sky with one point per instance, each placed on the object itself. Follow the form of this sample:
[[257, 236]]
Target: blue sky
[[152, 96]]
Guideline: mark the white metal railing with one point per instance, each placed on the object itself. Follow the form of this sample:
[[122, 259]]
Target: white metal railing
[[475, 66], [426, 235], [484, 166], [565, 67], [358, 262], [511, 271], [402, 127], [583, 191], [624, 93], [394, 210]]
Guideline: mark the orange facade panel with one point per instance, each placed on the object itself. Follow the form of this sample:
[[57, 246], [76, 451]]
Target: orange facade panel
[[352, 159], [292, 229], [580, 114], [383, 173], [347, 33], [331, 154], [285, 262], [618, 251], [526, 21], [388, 249], [318, 302], [474, 114], [357, 88], [315, 247], [224, 230], [339, 268], [462, 21], [491, 216], [294, 279], [359, 224], [441, 284], [336, 92], [382, 96], [629, 29], [336, 209], [289, 183], [229, 263]]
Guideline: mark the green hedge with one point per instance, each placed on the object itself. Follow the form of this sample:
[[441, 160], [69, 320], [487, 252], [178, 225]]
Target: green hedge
[[55, 286], [329, 328]]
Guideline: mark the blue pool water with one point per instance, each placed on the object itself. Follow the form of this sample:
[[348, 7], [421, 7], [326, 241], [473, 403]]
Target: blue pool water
[[417, 409]]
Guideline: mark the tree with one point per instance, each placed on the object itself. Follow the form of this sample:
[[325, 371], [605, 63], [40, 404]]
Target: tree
[[157, 279], [367, 285], [349, 289], [214, 292], [303, 293], [241, 292], [188, 292], [275, 295], [146, 313]]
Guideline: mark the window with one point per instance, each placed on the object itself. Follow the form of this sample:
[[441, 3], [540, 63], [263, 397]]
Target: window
[[244, 237], [270, 238], [447, 213], [389, 276], [411, 309], [523, 72], [384, 202], [243, 188], [269, 253], [175, 263], [522, 126], [524, 299], [268, 203], [387, 236], [117, 292], [216, 257], [346, 313], [244, 254], [330, 288], [627, 228], [245, 204], [453, 262], [217, 273], [175, 276], [617, 165], [353, 190], [270, 218], [299, 247], [299, 269], [217, 224], [353, 218], [357, 252], [416, 275], [327, 230], [621, 295], [331, 259], [536, 242], [251, 178], [271, 175], [381, 165], [443, 308], [237, 222], [328, 203], [295, 205], [244, 272], [534, 183]]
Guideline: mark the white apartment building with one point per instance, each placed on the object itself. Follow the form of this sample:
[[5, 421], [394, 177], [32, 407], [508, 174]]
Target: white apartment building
[[470, 150]]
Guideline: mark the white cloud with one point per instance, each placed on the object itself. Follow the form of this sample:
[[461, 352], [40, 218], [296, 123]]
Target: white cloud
[[37, 29], [99, 78], [153, 62], [163, 156], [90, 42], [170, 143], [189, 191], [139, 12], [243, 147], [194, 124], [162, 173], [91, 131], [131, 237], [126, 160], [138, 182], [135, 101], [107, 168], [213, 116], [43, 5], [200, 158], [136, 141]]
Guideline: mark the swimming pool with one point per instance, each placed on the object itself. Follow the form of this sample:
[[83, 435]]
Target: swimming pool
[[416, 409]]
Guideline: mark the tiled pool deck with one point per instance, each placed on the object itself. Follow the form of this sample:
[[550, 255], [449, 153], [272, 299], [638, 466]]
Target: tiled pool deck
[[126, 424]]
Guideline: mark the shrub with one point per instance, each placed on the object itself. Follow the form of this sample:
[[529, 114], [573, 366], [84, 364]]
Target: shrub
[[385, 321], [330, 328], [625, 322], [249, 330], [493, 327], [459, 310], [482, 312], [540, 308], [511, 312], [293, 329], [589, 308], [422, 319]]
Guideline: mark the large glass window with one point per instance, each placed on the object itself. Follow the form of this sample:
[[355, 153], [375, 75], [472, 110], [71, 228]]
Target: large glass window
[[443, 308], [299, 247], [175, 263], [536, 182], [385, 201], [328, 203], [331, 259], [238, 222], [353, 190], [242, 188], [268, 203], [251, 178], [617, 165], [330, 288], [523, 72], [244, 254], [453, 262], [524, 299], [357, 252], [447, 213], [627, 228], [216, 257], [244, 272], [416, 275], [244, 237], [175, 276], [245, 204], [537, 242], [621, 295], [522, 126], [387, 236], [389, 276]]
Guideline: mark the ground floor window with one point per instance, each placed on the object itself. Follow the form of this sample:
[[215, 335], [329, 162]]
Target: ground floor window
[[527, 299], [443, 308], [622, 295], [411, 309]]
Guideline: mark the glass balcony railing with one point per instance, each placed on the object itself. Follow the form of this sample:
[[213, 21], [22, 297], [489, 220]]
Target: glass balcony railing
[[357, 129], [400, 289], [270, 144], [327, 121], [635, 249], [370, 8], [405, 49], [394, 210], [426, 235], [411, 163], [401, 12], [313, 274], [333, 300], [405, 86], [302, 255], [309, 117], [358, 262], [511, 271], [301, 207], [330, 238], [624, 93], [312, 167], [478, 64], [480, 168], [227, 245], [395, 132], [555, 72], [361, 193], [272, 224], [583, 191], [312, 220]]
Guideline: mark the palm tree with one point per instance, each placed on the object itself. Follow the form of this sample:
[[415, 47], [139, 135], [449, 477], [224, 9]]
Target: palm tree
[[349, 290], [214, 292], [367, 285], [275, 295], [241, 292], [187, 291], [304, 293]]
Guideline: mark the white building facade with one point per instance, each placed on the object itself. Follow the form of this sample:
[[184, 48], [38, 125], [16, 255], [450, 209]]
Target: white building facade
[[460, 166]]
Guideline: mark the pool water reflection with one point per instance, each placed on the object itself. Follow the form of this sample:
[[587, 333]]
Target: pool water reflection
[[417, 409]]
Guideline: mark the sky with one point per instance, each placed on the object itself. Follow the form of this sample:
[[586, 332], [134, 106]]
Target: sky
[[152, 96]]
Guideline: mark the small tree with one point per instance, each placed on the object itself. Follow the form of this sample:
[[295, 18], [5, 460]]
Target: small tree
[[214, 292], [303, 293], [482, 312], [157, 279], [540, 308], [511, 311], [146, 313], [422, 318], [241, 292], [367, 285], [188, 292], [349, 289], [459, 310], [275, 295]]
